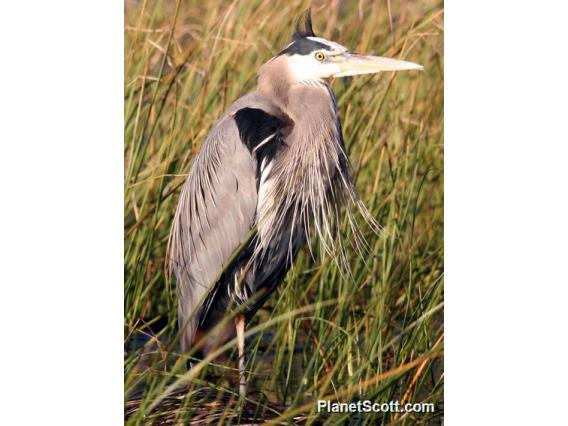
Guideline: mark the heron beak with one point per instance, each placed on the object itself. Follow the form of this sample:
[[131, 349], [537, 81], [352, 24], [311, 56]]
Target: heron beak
[[354, 64]]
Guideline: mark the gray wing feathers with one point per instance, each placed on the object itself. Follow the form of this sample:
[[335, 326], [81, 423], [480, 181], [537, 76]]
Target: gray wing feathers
[[215, 212]]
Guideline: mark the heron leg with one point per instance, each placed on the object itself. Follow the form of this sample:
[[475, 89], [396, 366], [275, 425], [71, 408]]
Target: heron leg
[[240, 326]]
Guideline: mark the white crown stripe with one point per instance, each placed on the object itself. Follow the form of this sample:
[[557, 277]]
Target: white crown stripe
[[335, 47]]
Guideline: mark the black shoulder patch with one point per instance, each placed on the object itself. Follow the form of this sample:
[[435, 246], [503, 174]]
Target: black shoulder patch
[[261, 133], [255, 126]]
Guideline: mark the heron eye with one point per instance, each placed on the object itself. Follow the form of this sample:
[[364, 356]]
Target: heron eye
[[320, 56]]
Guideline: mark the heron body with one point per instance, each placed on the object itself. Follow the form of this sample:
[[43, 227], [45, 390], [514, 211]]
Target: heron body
[[250, 156], [274, 167]]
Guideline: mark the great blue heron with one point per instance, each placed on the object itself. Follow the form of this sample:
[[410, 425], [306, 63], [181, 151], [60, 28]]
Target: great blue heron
[[273, 167]]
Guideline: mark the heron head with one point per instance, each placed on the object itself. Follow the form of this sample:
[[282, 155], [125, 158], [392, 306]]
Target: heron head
[[309, 57]]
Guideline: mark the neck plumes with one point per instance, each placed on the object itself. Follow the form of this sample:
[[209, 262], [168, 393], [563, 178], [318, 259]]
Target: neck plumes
[[310, 178]]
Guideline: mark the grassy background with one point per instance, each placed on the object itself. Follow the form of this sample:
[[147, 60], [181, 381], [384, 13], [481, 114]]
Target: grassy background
[[377, 336]]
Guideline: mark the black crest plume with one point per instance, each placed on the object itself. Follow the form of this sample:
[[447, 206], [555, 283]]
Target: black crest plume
[[304, 26]]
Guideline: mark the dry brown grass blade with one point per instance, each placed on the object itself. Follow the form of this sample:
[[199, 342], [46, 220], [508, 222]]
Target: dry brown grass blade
[[418, 373]]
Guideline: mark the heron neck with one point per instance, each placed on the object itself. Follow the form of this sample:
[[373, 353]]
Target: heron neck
[[295, 99], [274, 82]]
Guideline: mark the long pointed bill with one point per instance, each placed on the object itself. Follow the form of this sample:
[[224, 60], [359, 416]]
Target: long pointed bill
[[353, 64]]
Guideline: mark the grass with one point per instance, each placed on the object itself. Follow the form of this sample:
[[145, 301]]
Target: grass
[[377, 335]]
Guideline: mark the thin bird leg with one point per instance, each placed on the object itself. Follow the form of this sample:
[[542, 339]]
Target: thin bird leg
[[240, 326]]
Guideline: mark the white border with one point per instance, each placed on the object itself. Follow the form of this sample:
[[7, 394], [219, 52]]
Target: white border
[[506, 177], [61, 214], [62, 222]]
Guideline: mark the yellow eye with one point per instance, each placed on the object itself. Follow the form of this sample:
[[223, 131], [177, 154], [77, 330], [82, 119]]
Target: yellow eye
[[320, 56]]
